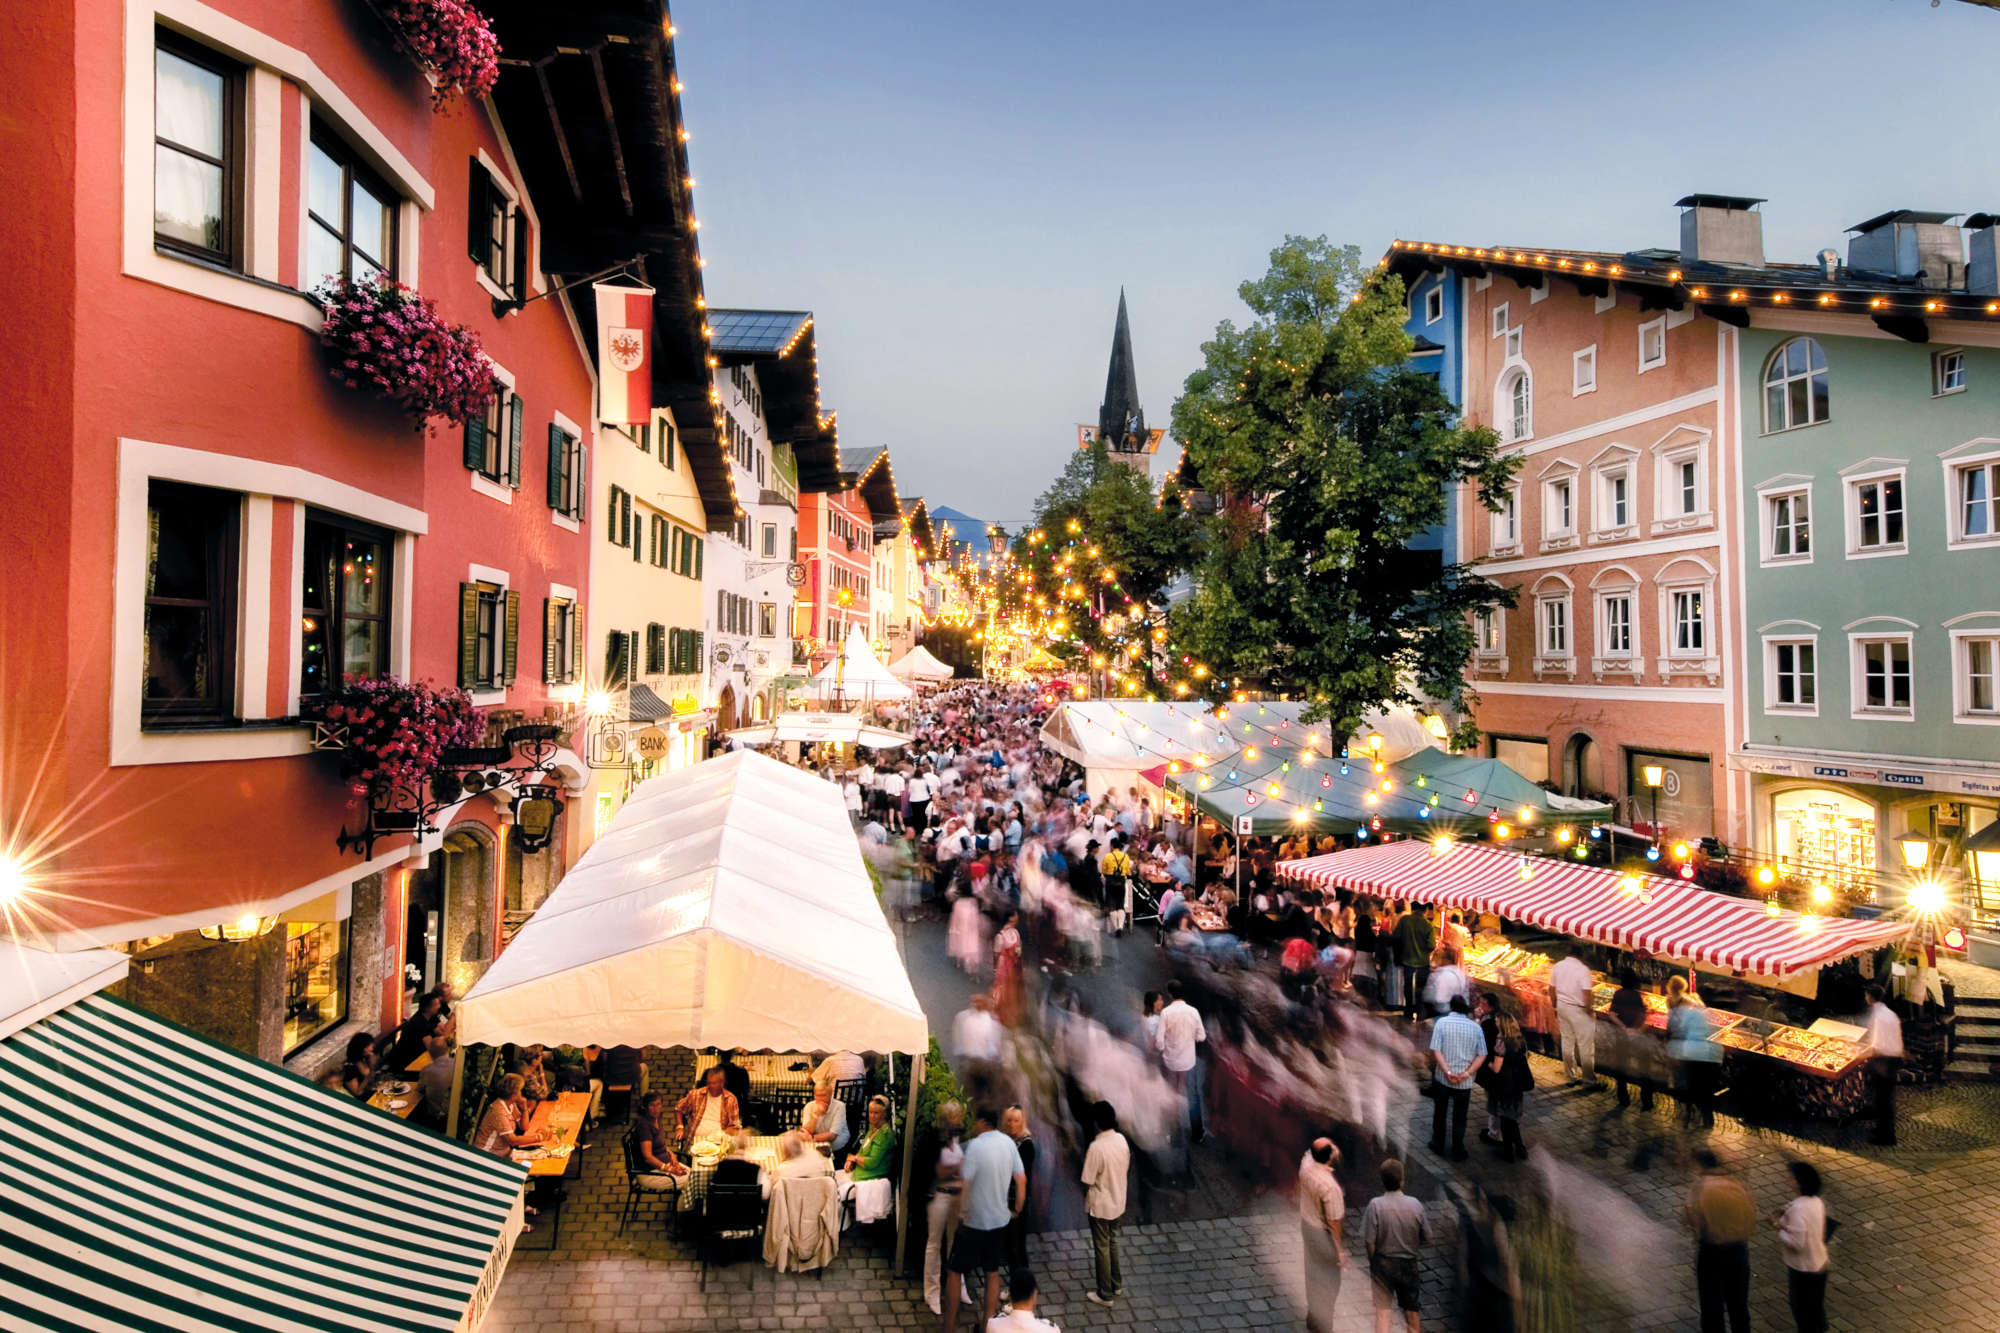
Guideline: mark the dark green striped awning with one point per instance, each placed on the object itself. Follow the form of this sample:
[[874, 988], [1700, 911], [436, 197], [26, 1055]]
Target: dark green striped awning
[[151, 1179]]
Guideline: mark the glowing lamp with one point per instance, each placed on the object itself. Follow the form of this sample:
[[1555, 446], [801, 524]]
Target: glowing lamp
[[1954, 938], [1361, 834], [1503, 831], [1326, 782], [1249, 798], [598, 703], [242, 928], [1771, 907], [1564, 835], [1343, 770], [1652, 853], [1375, 823], [1654, 774], [1822, 894], [1440, 844], [1766, 876], [1926, 896], [1471, 796], [1687, 872], [1271, 790], [14, 881], [1299, 815], [1173, 766], [1582, 852], [1628, 884], [1375, 744], [1680, 851], [1916, 850]]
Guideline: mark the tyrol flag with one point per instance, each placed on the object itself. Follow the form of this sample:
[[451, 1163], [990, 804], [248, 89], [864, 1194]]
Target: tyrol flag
[[624, 354]]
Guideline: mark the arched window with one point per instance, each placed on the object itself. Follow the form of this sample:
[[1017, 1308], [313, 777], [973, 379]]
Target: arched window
[[1795, 391], [1517, 399]]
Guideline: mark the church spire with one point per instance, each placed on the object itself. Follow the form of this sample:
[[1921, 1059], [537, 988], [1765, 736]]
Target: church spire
[[1121, 422]]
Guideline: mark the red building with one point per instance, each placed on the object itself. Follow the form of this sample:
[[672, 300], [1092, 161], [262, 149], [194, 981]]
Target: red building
[[837, 544], [211, 527]]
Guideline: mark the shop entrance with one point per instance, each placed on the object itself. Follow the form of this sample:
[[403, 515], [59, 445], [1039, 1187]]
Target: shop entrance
[[445, 926], [1580, 775]]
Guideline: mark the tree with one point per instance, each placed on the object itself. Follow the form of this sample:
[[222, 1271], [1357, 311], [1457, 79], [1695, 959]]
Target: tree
[[1328, 454]]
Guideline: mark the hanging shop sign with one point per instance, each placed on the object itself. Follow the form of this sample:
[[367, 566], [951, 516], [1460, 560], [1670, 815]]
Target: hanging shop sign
[[650, 744]]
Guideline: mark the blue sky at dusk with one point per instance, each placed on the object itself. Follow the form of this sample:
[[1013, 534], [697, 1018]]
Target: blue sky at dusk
[[958, 191]]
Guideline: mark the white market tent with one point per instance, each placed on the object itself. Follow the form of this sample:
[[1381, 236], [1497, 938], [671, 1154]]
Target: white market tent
[[919, 665], [813, 728], [158, 1180], [856, 675], [1116, 743], [726, 904]]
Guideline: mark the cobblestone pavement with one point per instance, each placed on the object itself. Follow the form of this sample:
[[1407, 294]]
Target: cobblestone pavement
[[1920, 1224]]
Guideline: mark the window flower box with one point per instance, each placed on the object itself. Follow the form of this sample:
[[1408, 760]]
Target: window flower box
[[391, 733], [451, 40], [383, 336]]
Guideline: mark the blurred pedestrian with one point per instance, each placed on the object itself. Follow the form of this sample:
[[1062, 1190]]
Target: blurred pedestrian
[[1511, 1080], [1722, 1217], [1635, 1048], [1014, 1123], [1394, 1230], [1697, 1057], [1458, 1049], [1572, 982], [1885, 1035], [1322, 1215], [1802, 1235]]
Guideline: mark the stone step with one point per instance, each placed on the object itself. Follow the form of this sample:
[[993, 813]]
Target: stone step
[[1968, 1071], [1980, 1004]]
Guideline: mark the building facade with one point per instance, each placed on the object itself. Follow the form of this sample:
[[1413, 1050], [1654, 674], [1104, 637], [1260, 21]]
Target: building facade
[[1872, 624], [837, 546], [1435, 327]]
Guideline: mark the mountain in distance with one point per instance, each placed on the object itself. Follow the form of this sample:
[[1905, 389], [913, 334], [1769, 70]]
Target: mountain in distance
[[964, 528]]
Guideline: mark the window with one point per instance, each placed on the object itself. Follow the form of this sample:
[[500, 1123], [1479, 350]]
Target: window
[[1505, 521], [1583, 371], [1615, 625], [315, 980], [767, 620], [1795, 388], [1486, 633], [1685, 493], [1789, 521], [1948, 372], [1653, 344], [1555, 627], [1614, 500], [562, 642], [493, 440], [489, 626], [1882, 675], [196, 123], [344, 628], [1978, 660], [1434, 304], [565, 472], [1686, 611], [770, 541], [496, 233], [1559, 510], [1513, 344], [618, 649], [1876, 507], [656, 649], [1792, 675], [350, 215], [1975, 492], [190, 632], [1518, 400], [1500, 320]]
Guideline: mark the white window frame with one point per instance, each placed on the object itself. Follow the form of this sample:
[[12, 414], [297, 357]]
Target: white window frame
[[1503, 404], [1561, 661], [1682, 445], [1943, 362], [1688, 575], [1857, 674], [1583, 371], [1797, 491], [1504, 525], [1764, 386], [1980, 453], [1961, 673], [1874, 471], [1670, 624], [1492, 619], [1434, 302], [1561, 473], [1499, 324], [500, 579], [1653, 326], [1613, 657], [1514, 345], [1794, 639], [1617, 463]]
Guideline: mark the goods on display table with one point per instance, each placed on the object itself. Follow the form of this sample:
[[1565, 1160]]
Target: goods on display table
[[1771, 1065], [1207, 918]]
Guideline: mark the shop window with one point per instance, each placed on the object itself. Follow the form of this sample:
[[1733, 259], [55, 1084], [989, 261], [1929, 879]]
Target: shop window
[[1882, 676], [197, 151], [1828, 835], [1527, 756], [1791, 679], [350, 214], [344, 627], [192, 535], [316, 971]]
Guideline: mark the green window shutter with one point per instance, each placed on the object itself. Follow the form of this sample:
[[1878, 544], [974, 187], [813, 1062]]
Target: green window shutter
[[478, 239], [625, 518], [558, 458], [468, 635], [666, 444], [475, 441], [520, 254], [512, 630], [696, 543], [551, 614], [514, 441]]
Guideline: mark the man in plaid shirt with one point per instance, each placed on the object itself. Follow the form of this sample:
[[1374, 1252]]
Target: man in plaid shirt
[[1458, 1049]]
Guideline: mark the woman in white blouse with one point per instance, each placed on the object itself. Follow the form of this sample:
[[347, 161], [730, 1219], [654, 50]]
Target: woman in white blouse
[[1802, 1237]]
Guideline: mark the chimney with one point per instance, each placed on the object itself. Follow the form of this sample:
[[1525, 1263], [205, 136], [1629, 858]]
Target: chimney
[[1829, 264], [1982, 265], [1721, 229], [1906, 243]]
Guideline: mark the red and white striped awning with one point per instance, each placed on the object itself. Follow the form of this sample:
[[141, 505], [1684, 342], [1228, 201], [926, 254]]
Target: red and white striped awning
[[1669, 918]]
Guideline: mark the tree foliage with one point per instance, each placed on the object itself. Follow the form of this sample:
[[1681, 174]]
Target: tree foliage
[[1329, 454]]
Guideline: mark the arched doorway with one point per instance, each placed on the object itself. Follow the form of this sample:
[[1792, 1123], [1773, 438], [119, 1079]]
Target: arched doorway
[[1580, 766], [725, 708], [449, 919]]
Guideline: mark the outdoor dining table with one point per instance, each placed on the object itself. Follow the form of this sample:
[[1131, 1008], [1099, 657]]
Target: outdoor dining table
[[557, 1158], [762, 1149], [399, 1097]]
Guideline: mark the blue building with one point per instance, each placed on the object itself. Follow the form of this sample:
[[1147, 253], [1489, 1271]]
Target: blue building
[[1434, 322]]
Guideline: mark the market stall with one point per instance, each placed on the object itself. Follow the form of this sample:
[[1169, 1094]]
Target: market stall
[[159, 1180], [1815, 1070], [919, 667], [821, 728], [724, 905], [856, 675], [1116, 743]]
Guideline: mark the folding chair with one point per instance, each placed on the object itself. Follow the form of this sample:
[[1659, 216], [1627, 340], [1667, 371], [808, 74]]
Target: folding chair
[[730, 1215]]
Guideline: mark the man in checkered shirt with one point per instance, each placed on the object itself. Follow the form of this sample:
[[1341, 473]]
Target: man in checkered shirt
[[1458, 1049]]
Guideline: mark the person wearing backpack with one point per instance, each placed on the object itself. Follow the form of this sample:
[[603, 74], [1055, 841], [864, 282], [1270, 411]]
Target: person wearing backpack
[[1116, 872]]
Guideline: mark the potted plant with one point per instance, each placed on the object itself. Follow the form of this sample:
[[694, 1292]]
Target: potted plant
[[391, 733], [451, 40], [383, 336]]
